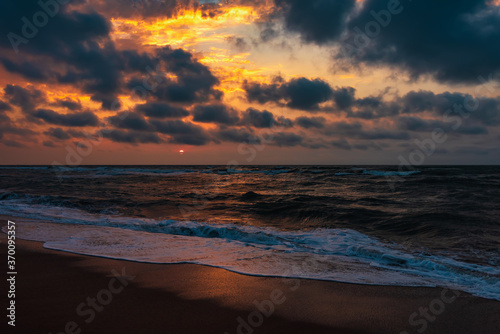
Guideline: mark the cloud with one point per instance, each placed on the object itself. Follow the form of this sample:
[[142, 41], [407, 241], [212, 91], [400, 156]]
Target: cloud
[[4, 106], [342, 144], [238, 43], [356, 130], [483, 110], [13, 143], [194, 81], [310, 122], [300, 93], [262, 119], [26, 69], [130, 121], [132, 137], [454, 41], [48, 143], [76, 49], [69, 104], [344, 97], [235, 135], [287, 139], [57, 133], [78, 119], [317, 21], [182, 132], [425, 125], [74, 46], [215, 113], [161, 110], [26, 98]]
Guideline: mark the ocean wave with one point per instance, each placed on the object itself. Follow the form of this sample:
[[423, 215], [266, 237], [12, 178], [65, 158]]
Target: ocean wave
[[327, 253], [390, 173]]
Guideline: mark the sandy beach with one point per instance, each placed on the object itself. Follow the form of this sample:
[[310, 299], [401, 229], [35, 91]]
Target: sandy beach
[[59, 292]]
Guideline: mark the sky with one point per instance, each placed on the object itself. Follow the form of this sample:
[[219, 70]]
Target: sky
[[240, 82]]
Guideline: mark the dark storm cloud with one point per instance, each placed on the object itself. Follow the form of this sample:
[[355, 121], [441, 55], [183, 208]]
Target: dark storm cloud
[[310, 122], [4, 106], [78, 119], [423, 125], [12, 143], [307, 94], [182, 132], [342, 144], [57, 133], [287, 139], [132, 137], [26, 69], [64, 29], [76, 50], [318, 21], [69, 104], [130, 121], [344, 97], [381, 134], [355, 130], [300, 93], [235, 135], [483, 110], [216, 113], [48, 143], [161, 110], [7, 126], [195, 82], [454, 41], [26, 98], [263, 93], [69, 42], [263, 119]]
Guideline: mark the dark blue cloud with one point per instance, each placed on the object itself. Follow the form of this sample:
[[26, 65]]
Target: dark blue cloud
[[310, 122], [162, 110], [26, 98], [57, 133], [132, 137], [215, 113], [452, 40], [77, 119], [181, 132], [300, 93], [259, 119], [318, 21], [130, 121]]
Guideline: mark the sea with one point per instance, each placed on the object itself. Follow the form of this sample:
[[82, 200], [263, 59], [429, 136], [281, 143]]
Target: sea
[[435, 226]]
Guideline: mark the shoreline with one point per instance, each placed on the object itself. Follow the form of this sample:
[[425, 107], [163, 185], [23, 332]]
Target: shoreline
[[190, 298]]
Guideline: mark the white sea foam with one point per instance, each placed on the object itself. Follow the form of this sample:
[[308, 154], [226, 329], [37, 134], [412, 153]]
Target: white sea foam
[[327, 254]]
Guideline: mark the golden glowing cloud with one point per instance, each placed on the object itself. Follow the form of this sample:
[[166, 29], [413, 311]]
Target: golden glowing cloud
[[189, 28]]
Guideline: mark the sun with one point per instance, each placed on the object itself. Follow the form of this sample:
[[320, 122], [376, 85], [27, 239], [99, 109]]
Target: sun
[[181, 151]]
